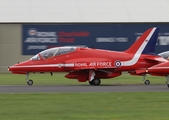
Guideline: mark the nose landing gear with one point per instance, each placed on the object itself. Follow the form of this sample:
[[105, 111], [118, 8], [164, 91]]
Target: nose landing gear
[[29, 81]]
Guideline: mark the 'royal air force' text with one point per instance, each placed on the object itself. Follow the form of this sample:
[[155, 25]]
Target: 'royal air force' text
[[94, 64]]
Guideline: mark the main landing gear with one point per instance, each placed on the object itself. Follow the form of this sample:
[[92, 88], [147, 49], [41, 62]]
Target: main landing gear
[[146, 82], [29, 81], [92, 80]]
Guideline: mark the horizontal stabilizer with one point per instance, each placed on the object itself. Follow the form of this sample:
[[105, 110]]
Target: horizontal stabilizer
[[156, 59]]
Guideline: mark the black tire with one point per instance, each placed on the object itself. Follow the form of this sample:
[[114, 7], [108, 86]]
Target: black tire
[[147, 82], [91, 82], [168, 85], [30, 82], [96, 81]]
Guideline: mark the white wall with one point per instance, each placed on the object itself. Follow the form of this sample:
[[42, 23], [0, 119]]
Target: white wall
[[84, 10]]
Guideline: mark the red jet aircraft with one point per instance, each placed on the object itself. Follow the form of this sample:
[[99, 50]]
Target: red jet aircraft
[[87, 64]]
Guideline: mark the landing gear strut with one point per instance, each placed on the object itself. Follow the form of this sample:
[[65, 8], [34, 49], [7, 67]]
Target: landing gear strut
[[146, 82], [29, 81], [167, 80], [92, 80]]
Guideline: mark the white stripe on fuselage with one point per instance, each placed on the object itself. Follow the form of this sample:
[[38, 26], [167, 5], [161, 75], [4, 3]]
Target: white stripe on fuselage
[[139, 51], [48, 65]]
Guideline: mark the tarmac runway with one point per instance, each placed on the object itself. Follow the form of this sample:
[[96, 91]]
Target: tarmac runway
[[84, 88]]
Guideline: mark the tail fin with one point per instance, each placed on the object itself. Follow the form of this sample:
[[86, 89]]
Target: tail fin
[[146, 43]]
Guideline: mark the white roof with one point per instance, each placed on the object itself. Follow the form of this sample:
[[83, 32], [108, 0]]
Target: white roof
[[84, 10]]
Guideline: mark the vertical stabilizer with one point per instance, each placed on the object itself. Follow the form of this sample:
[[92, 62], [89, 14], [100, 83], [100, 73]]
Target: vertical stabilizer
[[146, 43]]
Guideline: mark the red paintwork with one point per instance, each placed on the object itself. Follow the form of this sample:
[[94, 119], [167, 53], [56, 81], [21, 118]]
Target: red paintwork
[[81, 56], [86, 55], [85, 59], [159, 70]]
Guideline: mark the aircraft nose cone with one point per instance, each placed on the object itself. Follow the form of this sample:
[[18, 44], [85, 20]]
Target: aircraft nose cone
[[9, 68], [12, 68]]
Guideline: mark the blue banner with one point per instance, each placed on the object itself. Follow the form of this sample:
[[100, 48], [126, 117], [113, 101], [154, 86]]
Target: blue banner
[[110, 36]]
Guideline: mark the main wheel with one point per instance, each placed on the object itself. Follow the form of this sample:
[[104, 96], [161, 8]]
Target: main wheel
[[147, 82], [91, 82], [168, 85], [30, 82], [96, 81]]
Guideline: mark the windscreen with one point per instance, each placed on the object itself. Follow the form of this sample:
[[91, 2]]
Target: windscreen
[[36, 57], [53, 52], [49, 53], [64, 50]]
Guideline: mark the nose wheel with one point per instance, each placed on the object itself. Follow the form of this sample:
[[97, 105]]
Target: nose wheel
[[29, 81]]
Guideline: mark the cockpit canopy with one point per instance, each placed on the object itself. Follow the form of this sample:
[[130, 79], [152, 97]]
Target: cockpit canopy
[[53, 52]]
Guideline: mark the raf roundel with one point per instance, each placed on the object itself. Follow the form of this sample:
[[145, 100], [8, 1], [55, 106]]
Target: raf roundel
[[117, 63], [59, 65], [32, 32]]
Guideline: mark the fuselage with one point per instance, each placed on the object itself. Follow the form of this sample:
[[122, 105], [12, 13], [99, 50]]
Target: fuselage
[[82, 58]]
